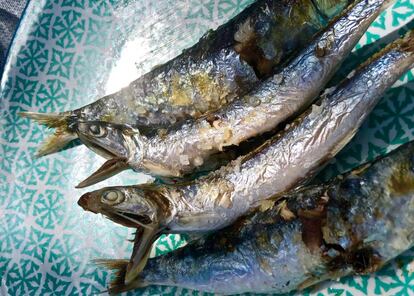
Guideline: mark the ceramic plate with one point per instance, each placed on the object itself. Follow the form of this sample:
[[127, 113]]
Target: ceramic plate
[[70, 52]]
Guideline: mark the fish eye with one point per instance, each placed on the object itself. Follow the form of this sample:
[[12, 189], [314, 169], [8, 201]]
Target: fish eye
[[97, 131], [113, 197]]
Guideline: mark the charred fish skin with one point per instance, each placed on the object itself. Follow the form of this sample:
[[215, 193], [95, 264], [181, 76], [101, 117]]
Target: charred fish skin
[[217, 200], [303, 149], [276, 99], [353, 225], [223, 65], [182, 150]]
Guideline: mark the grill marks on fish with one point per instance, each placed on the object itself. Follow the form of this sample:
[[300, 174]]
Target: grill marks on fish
[[362, 261], [249, 36], [357, 258], [312, 221]]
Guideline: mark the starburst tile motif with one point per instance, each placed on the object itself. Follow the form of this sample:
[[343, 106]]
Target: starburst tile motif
[[68, 53]]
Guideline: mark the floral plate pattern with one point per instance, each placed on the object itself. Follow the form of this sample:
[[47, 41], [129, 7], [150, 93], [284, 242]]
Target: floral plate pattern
[[70, 52]]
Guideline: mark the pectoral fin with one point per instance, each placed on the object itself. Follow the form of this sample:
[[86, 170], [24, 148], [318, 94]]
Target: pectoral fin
[[144, 239]]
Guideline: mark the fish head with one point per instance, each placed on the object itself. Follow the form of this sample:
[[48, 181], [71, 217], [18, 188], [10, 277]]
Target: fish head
[[120, 144], [130, 206], [140, 207], [107, 139]]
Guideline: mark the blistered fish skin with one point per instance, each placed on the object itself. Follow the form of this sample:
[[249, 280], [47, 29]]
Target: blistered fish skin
[[223, 65], [217, 200], [299, 153], [353, 225], [218, 68], [182, 150]]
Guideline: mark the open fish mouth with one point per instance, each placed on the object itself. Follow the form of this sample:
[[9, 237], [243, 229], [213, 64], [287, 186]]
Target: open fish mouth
[[111, 167], [147, 231], [106, 153], [130, 220], [124, 218], [111, 142], [108, 169]]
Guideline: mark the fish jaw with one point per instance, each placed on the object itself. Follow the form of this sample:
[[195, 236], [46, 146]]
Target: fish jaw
[[122, 145], [107, 139], [131, 206], [108, 169], [140, 207]]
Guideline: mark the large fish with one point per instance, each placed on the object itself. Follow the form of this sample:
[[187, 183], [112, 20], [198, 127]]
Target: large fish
[[218, 199], [352, 225], [223, 65], [182, 150]]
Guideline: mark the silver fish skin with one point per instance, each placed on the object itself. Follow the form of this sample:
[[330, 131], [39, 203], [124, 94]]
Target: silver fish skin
[[352, 225], [217, 200], [223, 65], [299, 153], [182, 150]]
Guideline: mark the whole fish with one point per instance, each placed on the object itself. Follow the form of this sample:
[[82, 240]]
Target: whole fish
[[217, 200], [223, 65], [352, 225], [182, 150]]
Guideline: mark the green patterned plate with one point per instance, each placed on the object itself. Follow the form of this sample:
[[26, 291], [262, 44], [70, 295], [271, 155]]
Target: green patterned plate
[[70, 52]]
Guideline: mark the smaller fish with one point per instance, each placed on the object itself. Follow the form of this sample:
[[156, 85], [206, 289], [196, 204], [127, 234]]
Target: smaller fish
[[181, 150], [352, 225], [286, 161]]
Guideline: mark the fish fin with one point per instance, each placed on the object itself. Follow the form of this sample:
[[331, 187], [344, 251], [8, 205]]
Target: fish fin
[[55, 142], [52, 120], [62, 135], [119, 267], [144, 239]]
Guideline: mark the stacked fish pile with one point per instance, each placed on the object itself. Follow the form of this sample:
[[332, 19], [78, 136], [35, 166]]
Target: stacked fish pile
[[234, 128]]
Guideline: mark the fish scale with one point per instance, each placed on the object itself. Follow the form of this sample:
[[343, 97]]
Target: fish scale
[[182, 150], [223, 65], [353, 224], [283, 163]]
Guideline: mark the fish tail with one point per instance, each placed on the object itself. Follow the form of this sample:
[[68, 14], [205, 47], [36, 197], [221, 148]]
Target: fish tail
[[119, 267], [55, 142], [62, 135], [51, 120]]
